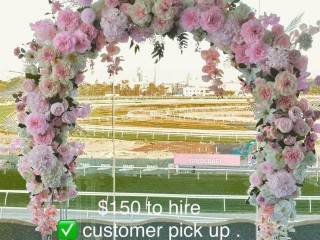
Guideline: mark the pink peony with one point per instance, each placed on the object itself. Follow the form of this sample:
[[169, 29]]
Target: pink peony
[[139, 13], [212, 19], [68, 20], [281, 183], [46, 138], [301, 127], [255, 179], [28, 85], [49, 87], [88, 16], [284, 124], [252, 31], [44, 30], [190, 19], [114, 24], [293, 156], [265, 92], [64, 42], [62, 71], [257, 52], [286, 83], [89, 30], [286, 102], [57, 109], [82, 42], [69, 117], [42, 158], [36, 123], [83, 3]]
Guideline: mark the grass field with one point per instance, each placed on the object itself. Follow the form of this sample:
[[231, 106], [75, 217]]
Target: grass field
[[177, 184]]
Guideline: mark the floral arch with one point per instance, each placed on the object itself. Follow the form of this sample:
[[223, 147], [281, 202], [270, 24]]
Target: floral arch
[[269, 57]]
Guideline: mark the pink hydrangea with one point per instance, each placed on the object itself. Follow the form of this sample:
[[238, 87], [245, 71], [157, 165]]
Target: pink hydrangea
[[88, 16], [49, 87], [255, 179], [89, 30], [37, 102], [212, 19], [44, 30], [252, 31], [46, 138], [114, 24], [161, 26], [64, 42], [83, 3], [190, 19], [293, 156], [68, 20], [36, 123], [140, 34], [284, 124], [281, 183], [286, 83], [28, 85], [82, 42], [57, 109]]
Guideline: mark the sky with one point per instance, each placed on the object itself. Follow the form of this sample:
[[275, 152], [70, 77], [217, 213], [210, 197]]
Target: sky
[[174, 67]]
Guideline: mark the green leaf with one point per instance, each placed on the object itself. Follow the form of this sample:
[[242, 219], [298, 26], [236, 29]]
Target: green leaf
[[158, 51], [21, 56], [131, 44], [274, 72], [260, 122], [136, 49], [34, 77], [22, 50], [20, 125], [242, 65]]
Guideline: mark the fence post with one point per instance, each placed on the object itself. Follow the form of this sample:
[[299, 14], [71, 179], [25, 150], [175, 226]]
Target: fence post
[[224, 204]]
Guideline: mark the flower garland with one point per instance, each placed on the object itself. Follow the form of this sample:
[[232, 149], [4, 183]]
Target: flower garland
[[273, 70]]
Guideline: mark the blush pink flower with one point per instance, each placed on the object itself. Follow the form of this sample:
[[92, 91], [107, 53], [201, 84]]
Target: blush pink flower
[[37, 102], [255, 179], [290, 140], [125, 8], [83, 111], [89, 30], [42, 158], [139, 13], [82, 42], [46, 138], [240, 53], [79, 78], [28, 85], [16, 51], [83, 3], [161, 26], [257, 52], [303, 104], [212, 19], [281, 183], [56, 7], [44, 30], [64, 42], [265, 92], [277, 29], [301, 127], [68, 20], [57, 109], [286, 83], [112, 3], [204, 4], [140, 34], [261, 200], [252, 31], [286, 102], [47, 55], [36, 123], [317, 81], [266, 168], [293, 156], [282, 41], [88, 16], [49, 87], [190, 19], [284, 124], [69, 117], [72, 192]]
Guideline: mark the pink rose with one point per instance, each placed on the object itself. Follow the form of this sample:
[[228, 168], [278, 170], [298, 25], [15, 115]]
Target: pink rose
[[293, 156], [266, 168], [46, 138], [88, 16], [69, 117], [301, 127], [36, 123], [212, 19], [57, 109], [255, 179], [286, 83], [252, 31], [295, 113], [284, 124], [190, 19], [64, 42], [68, 20]]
